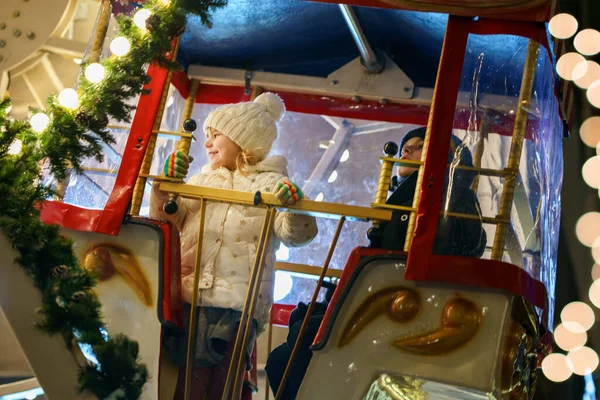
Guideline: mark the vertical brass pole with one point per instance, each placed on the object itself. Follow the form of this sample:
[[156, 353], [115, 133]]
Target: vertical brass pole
[[245, 326], [192, 331], [311, 305], [383, 185], [516, 148], [185, 142]]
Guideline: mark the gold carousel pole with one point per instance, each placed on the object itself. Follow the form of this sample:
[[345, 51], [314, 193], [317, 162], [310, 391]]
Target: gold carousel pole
[[95, 53], [140, 184], [245, 326], [516, 148], [193, 312], [311, 305]]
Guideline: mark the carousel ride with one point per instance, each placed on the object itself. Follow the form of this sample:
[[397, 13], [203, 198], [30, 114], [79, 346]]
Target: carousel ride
[[401, 324]]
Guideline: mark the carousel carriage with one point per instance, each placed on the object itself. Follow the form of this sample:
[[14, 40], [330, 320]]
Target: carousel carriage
[[412, 324]]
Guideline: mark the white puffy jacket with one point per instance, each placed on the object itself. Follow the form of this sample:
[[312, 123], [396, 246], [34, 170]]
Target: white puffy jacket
[[231, 236]]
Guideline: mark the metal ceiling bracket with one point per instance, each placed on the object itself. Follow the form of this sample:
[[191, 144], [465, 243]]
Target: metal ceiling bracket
[[390, 83], [372, 62]]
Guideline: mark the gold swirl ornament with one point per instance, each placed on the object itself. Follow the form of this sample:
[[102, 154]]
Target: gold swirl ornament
[[461, 319], [400, 304], [106, 259]]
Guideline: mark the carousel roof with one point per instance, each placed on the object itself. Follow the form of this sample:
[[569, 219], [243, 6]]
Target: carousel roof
[[312, 39]]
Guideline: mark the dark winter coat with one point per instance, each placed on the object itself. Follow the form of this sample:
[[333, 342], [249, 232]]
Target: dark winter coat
[[455, 236]]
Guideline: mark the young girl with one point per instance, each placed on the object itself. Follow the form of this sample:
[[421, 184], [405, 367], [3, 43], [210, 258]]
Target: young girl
[[238, 139]]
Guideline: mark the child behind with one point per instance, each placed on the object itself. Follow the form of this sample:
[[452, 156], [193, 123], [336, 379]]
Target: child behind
[[238, 139]]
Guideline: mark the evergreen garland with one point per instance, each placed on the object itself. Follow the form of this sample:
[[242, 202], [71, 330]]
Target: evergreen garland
[[70, 308]]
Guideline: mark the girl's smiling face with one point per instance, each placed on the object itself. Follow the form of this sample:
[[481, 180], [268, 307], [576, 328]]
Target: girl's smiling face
[[221, 151]]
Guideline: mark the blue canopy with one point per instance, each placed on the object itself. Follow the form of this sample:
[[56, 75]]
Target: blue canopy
[[305, 38]]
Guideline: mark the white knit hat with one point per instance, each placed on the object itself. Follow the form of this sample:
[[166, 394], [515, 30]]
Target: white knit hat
[[250, 125]]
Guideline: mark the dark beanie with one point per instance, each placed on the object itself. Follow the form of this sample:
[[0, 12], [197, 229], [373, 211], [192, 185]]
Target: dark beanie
[[455, 142], [419, 132]]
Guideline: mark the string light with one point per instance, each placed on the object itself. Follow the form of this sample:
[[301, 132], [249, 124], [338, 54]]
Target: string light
[[345, 156], [563, 26], [557, 367], [584, 360], [591, 76], [594, 293], [596, 271], [39, 122], [140, 17], [590, 172], [587, 42], [590, 131], [588, 228], [593, 94], [332, 177], [579, 313], [568, 340], [15, 147], [319, 197], [68, 98], [120, 46], [94, 73], [571, 66], [596, 250]]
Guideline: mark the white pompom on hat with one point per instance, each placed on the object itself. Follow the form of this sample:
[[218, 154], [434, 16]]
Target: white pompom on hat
[[250, 125]]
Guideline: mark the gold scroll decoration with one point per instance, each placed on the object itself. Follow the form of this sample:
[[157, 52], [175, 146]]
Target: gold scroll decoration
[[400, 304], [461, 319], [107, 259]]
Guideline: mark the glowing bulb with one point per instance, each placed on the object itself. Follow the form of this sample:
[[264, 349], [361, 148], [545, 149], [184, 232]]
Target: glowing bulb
[[590, 131], [120, 46], [319, 197], [591, 76], [77, 61], [571, 66], [15, 147], [587, 42], [68, 98], [563, 26], [140, 17], [332, 177], [94, 73], [596, 271], [593, 94], [584, 359], [588, 228], [557, 367], [283, 285], [594, 293], [165, 2], [580, 313], [596, 250], [567, 340], [39, 122], [590, 172], [345, 156]]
